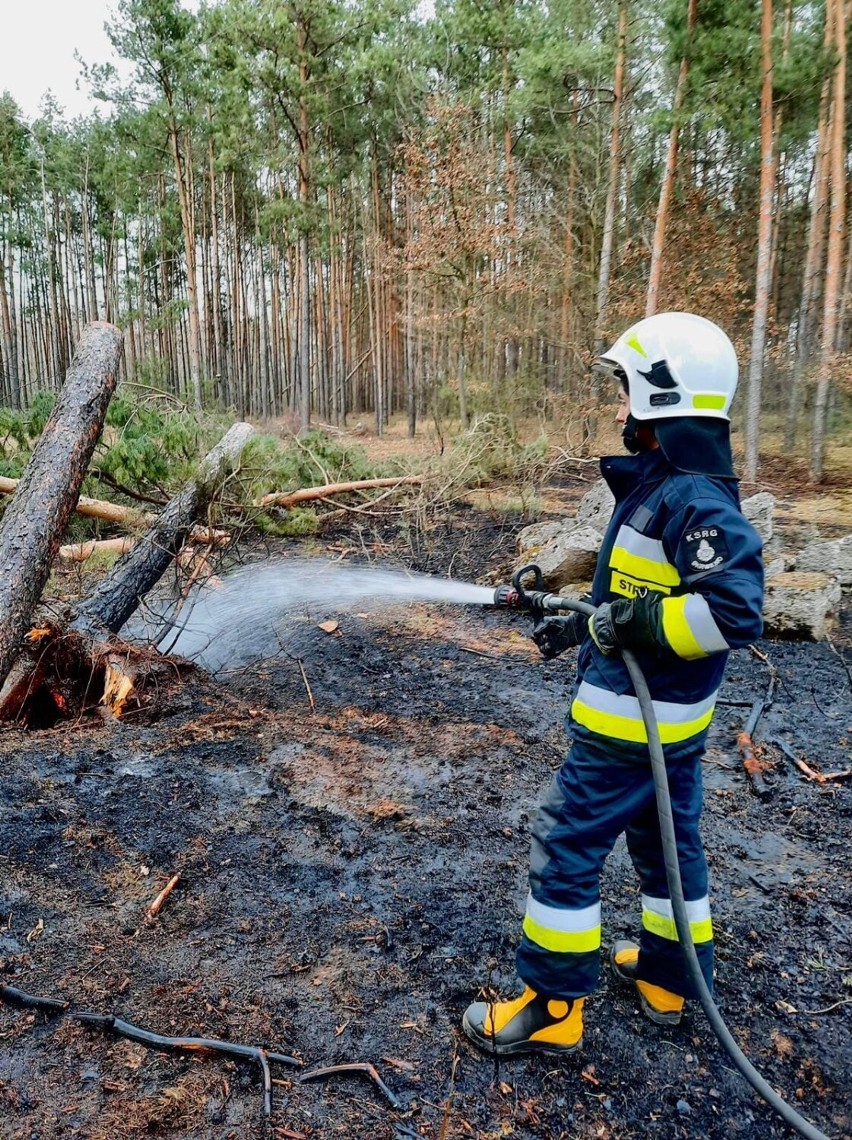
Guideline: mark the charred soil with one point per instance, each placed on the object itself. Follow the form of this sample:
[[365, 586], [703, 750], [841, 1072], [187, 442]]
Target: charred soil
[[349, 819]]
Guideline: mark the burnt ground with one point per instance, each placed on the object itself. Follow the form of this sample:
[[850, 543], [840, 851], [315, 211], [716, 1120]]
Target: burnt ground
[[355, 872]]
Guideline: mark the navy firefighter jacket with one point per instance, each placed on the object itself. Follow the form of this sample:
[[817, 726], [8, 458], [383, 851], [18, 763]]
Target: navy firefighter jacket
[[685, 537]]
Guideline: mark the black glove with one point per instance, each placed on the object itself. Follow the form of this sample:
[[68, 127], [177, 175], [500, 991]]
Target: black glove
[[629, 623], [553, 635]]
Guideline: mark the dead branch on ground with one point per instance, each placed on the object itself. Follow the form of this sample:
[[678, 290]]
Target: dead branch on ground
[[356, 1067], [745, 743], [307, 494], [23, 1000], [805, 768], [262, 1057], [157, 905]]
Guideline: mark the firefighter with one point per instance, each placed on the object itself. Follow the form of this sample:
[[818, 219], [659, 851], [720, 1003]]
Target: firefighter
[[679, 582]]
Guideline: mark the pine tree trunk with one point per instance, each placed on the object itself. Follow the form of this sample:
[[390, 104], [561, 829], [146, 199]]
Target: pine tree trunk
[[119, 594], [181, 166], [667, 187], [608, 240], [808, 306], [32, 527], [833, 269], [764, 250], [10, 359]]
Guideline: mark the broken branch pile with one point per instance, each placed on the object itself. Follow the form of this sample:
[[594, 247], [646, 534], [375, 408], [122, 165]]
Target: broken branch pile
[[54, 670]]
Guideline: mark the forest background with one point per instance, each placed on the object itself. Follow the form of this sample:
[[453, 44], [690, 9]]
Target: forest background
[[316, 209]]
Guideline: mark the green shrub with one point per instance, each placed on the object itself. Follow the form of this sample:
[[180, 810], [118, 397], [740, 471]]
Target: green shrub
[[13, 431], [151, 443], [491, 450], [12, 467], [269, 465], [40, 408], [297, 522]]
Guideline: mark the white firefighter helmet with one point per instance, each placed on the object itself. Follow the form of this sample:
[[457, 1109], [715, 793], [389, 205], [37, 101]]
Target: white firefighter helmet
[[676, 364]]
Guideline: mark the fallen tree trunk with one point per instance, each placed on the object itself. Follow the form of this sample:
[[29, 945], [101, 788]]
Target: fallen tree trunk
[[109, 512], [119, 593], [45, 497], [306, 494]]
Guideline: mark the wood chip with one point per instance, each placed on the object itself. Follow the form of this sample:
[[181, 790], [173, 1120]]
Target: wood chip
[[36, 931], [329, 626]]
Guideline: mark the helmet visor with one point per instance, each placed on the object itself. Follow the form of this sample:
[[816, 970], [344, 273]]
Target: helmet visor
[[611, 369]]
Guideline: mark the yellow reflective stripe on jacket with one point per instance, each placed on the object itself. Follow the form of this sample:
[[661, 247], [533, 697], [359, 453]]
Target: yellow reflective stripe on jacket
[[618, 715], [563, 931], [658, 918], [689, 627], [641, 557]]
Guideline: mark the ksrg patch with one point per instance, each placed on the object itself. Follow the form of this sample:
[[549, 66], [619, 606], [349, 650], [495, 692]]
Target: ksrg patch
[[706, 548]]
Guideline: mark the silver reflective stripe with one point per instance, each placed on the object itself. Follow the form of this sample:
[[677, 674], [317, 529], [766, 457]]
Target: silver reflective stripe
[[566, 921], [635, 543], [622, 704], [701, 622], [641, 517], [698, 911]]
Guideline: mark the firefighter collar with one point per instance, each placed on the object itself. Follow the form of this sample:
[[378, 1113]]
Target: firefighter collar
[[623, 472]]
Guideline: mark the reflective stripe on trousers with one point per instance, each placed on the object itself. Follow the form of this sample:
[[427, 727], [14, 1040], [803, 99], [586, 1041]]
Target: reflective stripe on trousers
[[598, 793], [658, 918]]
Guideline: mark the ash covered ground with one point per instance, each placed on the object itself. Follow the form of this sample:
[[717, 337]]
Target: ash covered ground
[[354, 872]]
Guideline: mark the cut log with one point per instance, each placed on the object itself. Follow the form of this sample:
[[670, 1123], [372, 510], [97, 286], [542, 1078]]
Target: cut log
[[93, 508], [306, 494], [119, 593], [47, 493], [81, 551]]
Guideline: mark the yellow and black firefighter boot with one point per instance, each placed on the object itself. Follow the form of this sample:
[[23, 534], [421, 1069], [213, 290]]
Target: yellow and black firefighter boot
[[531, 1023], [661, 1006]]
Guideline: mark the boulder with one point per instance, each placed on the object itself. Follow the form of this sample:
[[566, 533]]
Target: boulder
[[533, 538], [800, 604], [569, 556], [758, 509], [833, 558], [596, 507]]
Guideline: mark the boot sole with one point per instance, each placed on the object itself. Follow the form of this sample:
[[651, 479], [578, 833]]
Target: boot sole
[[516, 1048]]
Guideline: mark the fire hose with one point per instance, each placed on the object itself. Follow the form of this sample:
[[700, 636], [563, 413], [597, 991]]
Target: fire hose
[[537, 601]]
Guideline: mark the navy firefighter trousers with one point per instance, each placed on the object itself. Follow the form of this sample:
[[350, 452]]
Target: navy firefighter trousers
[[604, 788]]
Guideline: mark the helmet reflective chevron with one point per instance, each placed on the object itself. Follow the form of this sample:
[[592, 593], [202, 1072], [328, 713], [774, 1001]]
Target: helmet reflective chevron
[[676, 364]]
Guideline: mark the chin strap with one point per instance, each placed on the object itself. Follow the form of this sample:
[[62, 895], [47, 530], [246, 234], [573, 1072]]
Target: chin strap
[[630, 435]]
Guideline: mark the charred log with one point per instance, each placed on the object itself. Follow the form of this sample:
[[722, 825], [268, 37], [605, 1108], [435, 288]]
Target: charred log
[[46, 495], [118, 595]]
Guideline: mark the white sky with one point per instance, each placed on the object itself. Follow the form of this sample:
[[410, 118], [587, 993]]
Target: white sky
[[37, 45], [38, 39]]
